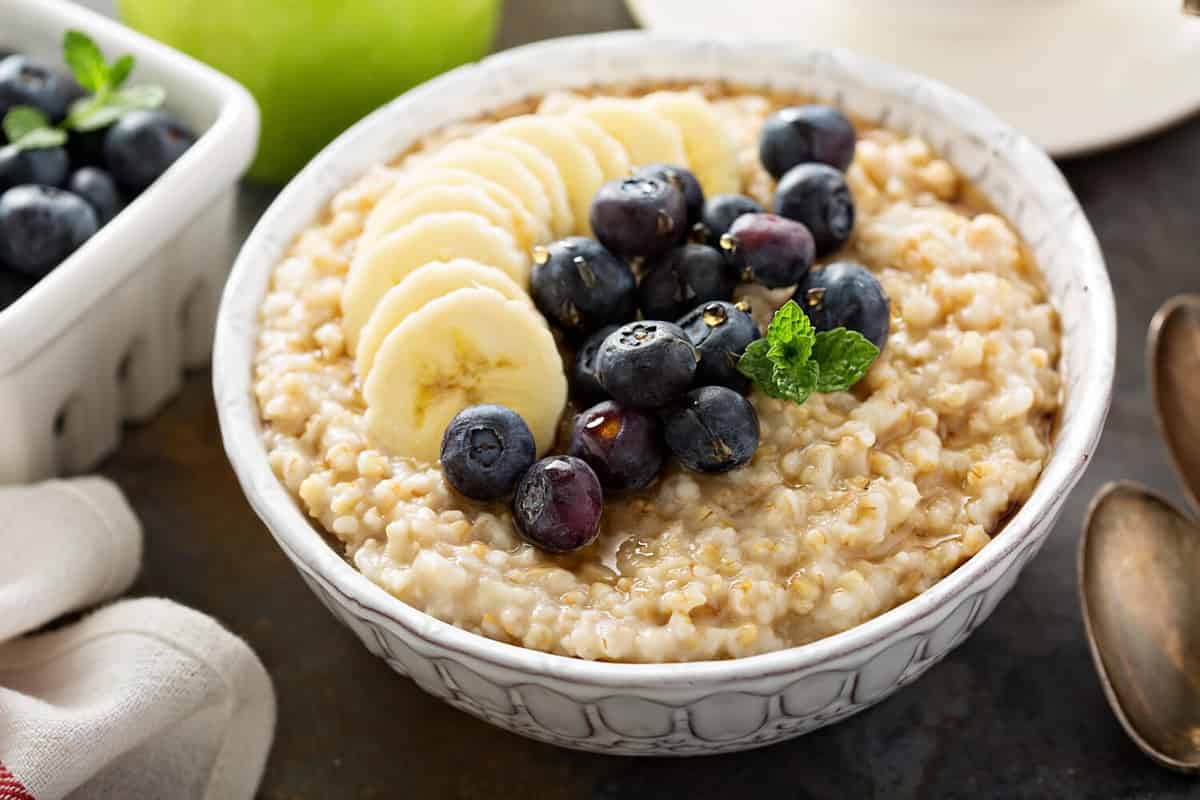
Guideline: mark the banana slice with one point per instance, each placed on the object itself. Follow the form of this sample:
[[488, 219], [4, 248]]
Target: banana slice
[[528, 230], [710, 151], [405, 208], [579, 168], [610, 154], [647, 137], [562, 218], [470, 346], [499, 166], [422, 285], [433, 237]]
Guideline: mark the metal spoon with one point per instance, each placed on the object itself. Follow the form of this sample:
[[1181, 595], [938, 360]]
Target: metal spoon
[[1173, 356], [1139, 565]]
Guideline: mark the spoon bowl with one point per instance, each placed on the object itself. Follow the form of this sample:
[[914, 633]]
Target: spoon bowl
[[1139, 567], [1173, 356]]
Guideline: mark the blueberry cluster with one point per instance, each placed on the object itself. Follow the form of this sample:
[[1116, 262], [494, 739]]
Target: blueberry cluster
[[807, 150], [55, 194], [648, 305]]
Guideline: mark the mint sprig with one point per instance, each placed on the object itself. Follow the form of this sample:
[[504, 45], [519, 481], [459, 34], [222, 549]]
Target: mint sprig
[[107, 100], [792, 361]]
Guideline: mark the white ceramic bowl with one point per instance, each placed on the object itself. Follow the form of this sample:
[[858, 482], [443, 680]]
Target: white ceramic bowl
[[711, 706], [104, 338]]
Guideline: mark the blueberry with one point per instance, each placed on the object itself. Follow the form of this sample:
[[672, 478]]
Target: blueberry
[[646, 364], [25, 82], [485, 451], [624, 446], [685, 276], [581, 287], [86, 148], [44, 166], [720, 212], [683, 180], [585, 382], [141, 145], [98, 188], [639, 216], [558, 504], [12, 286], [846, 295], [806, 134], [712, 429], [40, 226], [721, 332], [817, 195], [768, 249]]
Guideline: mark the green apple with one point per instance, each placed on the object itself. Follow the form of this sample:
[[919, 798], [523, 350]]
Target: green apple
[[317, 66]]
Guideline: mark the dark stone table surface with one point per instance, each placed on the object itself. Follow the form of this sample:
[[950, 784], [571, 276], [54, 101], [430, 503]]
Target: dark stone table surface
[[1015, 712]]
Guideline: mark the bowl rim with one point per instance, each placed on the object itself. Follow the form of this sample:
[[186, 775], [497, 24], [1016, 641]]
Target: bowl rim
[[241, 431]]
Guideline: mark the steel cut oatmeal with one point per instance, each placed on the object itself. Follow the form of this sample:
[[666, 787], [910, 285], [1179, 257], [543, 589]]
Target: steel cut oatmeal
[[853, 503]]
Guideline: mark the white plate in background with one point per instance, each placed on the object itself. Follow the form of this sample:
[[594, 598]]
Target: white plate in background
[[1075, 75]]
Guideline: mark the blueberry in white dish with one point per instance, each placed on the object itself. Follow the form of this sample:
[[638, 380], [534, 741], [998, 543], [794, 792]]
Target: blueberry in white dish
[[681, 278], [817, 196], [646, 364], [712, 429], [40, 226], [485, 451], [846, 295], [623, 446], [44, 166], [721, 332], [806, 134], [639, 216], [142, 144], [585, 380], [768, 249], [98, 188], [558, 505], [580, 286], [26, 82], [683, 180], [719, 213], [86, 148]]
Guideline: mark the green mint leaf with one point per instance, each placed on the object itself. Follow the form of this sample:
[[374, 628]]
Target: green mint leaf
[[41, 138], [148, 96], [90, 114], [790, 335], [118, 73], [796, 382], [93, 113], [20, 121], [28, 129], [86, 61], [756, 365], [843, 357]]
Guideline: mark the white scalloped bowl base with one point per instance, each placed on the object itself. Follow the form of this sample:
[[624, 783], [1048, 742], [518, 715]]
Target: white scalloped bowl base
[[711, 707]]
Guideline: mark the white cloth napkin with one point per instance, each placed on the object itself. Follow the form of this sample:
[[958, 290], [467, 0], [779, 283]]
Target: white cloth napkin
[[140, 699]]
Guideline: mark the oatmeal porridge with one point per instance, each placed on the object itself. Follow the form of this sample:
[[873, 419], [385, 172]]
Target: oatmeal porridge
[[853, 502]]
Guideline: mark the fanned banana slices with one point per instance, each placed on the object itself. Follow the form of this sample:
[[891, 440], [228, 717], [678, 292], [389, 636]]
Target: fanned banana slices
[[435, 308]]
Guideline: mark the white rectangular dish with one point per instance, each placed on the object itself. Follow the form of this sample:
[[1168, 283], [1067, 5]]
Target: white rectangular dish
[[103, 339]]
